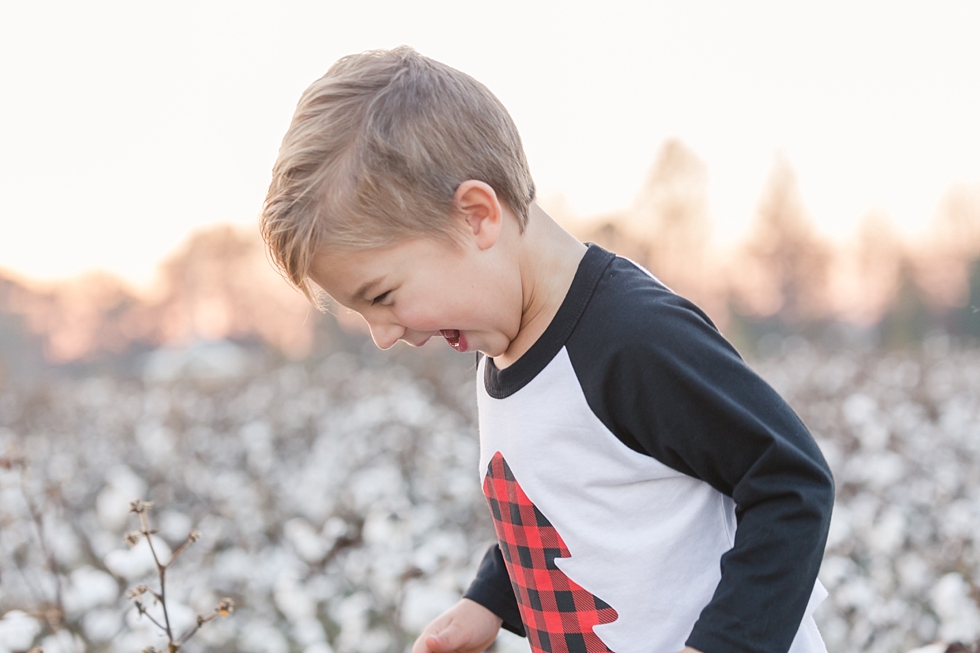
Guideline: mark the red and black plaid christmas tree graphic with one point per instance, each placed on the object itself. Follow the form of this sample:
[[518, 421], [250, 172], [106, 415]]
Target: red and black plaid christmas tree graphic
[[558, 614]]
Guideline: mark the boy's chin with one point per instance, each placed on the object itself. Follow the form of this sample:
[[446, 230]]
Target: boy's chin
[[493, 352]]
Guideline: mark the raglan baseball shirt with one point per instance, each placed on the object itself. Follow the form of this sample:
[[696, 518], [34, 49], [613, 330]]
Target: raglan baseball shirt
[[648, 490]]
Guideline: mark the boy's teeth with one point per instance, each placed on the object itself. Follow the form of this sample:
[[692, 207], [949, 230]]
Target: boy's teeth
[[451, 336]]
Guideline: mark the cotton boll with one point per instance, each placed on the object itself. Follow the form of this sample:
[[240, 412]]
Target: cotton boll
[[957, 415], [835, 570], [438, 547], [307, 542], [831, 451], [914, 572], [860, 409], [384, 529], [291, 599], [926, 627], [102, 624], [182, 616], [174, 526], [888, 534], [373, 641], [62, 642], [156, 441], [87, 588], [884, 470], [864, 508], [421, 603], [874, 436], [18, 630], [137, 561], [888, 613], [856, 593], [112, 504], [961, 519], [376, 485], [832, 627], [424, 519], [232, 566], [958, 614], [462, 487], [260, 636], [882, 577], [413, 408], [66, 546], [11, 499], [388, 570], [128, 642], [332, 530], [309, 632], [351, 614], [840, 527], [257, 437]]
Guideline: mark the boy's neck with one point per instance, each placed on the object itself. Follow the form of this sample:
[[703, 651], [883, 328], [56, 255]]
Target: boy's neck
[[549, 257]]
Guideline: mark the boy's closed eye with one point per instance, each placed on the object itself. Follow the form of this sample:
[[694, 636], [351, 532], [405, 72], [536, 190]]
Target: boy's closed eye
[[380, 298]]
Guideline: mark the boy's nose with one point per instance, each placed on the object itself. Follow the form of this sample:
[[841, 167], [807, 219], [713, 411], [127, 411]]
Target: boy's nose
[[386, 335]]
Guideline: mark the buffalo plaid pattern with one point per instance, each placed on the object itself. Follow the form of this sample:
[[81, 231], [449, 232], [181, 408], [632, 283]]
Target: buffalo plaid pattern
[[558, 614]]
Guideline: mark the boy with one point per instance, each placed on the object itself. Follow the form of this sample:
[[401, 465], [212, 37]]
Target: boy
[[649, 492]]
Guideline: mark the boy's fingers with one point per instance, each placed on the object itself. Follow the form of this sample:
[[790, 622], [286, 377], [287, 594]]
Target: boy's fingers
[[442, 642], [428, 644]]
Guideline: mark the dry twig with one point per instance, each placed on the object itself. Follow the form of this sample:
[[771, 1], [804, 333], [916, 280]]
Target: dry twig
[[224, 608]]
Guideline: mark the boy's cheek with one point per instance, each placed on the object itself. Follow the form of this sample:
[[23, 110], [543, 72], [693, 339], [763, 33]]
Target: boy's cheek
[[416, 320]]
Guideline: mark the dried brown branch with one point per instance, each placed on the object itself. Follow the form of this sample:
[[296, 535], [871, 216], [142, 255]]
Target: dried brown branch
[[223, 609], [55, 617]]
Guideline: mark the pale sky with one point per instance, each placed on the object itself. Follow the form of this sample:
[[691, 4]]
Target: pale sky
[[126, 125]]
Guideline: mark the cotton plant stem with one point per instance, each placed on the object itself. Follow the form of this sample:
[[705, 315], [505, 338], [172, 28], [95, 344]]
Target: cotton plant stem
[[200, 622], [150, 617], [224, 608], [186, 636], [38, 520], [162, 570], [180, 549]]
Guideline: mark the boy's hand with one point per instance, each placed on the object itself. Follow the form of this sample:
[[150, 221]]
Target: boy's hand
[[467, 627]]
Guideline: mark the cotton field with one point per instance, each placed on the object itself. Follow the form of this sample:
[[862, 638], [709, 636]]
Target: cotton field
[[339, 504], [902, 435]]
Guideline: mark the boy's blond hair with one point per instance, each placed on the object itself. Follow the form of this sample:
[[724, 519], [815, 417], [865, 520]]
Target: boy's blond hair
[[374, 155]]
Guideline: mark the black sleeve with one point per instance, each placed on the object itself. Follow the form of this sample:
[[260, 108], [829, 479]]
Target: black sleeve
[[673, 388], [493, 590]]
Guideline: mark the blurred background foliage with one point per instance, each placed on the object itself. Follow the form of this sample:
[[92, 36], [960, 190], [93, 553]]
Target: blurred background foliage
[[882, 289], [336, 486]]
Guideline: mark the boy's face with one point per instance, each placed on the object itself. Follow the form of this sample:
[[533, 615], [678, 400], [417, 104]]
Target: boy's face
[[425, 287]]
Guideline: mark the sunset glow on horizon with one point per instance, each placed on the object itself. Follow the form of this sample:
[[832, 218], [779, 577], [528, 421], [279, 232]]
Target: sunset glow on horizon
[[126, 127]]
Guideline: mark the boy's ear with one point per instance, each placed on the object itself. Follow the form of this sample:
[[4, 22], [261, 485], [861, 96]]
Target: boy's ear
[[480, 209]]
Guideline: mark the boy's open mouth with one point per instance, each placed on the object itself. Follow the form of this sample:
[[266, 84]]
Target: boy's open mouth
[[452, 337]]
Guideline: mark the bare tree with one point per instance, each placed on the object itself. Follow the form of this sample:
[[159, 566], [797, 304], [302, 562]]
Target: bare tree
[[671, 216], [784, 263], [872, 282], [219, 285], [949, 254]]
